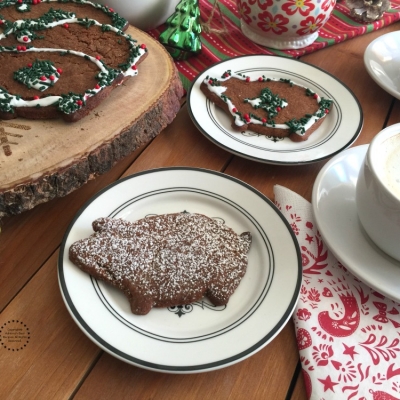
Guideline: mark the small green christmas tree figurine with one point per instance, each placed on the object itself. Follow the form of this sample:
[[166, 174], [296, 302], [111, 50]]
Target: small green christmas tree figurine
[[182, 35]]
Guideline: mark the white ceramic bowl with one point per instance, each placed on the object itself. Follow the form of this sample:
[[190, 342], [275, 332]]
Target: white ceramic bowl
[[378, 191], [283, 24], [143, 14]]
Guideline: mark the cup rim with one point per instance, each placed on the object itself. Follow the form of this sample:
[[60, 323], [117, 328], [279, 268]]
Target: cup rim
[[381, 136]]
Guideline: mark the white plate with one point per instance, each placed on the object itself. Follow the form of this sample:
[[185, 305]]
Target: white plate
[[335, 213], [382, 61], [196, 337], [339, 130]]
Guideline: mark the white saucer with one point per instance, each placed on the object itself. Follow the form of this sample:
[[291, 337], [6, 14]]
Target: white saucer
[[335, 213], [382, 61]]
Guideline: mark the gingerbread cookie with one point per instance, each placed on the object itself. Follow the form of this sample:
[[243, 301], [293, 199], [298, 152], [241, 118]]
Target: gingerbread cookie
[[271, 107], [165, 260], [61, 58]]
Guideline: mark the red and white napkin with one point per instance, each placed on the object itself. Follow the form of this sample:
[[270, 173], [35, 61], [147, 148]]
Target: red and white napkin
[[348, 334]]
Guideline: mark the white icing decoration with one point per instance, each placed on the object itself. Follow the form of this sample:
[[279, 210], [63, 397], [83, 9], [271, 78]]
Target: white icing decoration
[[218, 90], [16, 101]]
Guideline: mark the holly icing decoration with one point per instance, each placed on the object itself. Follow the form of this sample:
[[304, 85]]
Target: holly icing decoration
[[71, 102], [39, 75], [269, 102]]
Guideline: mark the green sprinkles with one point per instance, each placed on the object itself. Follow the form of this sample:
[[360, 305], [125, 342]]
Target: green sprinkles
[[38, 71]]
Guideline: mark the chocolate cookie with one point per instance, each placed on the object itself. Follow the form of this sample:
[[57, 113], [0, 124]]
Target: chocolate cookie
[[271, 107], [61, 58], [165, 260]]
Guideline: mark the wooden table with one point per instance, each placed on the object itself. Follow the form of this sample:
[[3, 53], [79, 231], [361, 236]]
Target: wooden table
[[60, 362]]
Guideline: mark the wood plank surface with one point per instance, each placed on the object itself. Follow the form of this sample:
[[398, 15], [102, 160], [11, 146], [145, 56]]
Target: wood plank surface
[[61, 362]]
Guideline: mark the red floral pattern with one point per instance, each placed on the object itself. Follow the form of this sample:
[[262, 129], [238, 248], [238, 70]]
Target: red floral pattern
[[276, 23], [311, 24], [348, 335], [285, 17], [244, 11], [304, 7]]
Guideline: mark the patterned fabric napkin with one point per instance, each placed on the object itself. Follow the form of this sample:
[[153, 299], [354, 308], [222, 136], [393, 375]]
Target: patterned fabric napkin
[[224, 39], [348, 335]]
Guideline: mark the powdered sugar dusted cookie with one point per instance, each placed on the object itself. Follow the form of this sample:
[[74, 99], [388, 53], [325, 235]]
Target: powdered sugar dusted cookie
[[268, 106], [165, 260]]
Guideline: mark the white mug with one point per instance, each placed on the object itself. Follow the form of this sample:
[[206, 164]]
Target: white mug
[[378, 191]]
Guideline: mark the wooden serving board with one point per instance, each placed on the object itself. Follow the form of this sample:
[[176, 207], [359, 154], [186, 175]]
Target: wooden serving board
[[41, 160]]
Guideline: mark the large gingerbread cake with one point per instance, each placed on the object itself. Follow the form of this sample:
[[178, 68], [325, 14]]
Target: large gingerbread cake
[[274, 107], [61, 58]]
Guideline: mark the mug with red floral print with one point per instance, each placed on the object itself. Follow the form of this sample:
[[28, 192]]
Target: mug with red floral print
[[283, 24]]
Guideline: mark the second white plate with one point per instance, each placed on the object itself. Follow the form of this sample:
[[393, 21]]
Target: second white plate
[[339, 130], [382, 61]]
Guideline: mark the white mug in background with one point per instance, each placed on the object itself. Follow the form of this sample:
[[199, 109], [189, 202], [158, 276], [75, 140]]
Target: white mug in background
[[378, 191], [283, 24], [143, 14]]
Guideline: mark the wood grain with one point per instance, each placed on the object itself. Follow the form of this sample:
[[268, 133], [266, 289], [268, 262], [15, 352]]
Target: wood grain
[[53, 158]]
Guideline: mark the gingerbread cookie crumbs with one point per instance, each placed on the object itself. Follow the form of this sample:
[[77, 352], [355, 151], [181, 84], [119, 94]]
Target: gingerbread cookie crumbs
[[267, 106], [61, 59], [165, 260]]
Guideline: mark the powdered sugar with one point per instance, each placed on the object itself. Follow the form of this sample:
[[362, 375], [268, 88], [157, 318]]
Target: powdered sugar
[[165, 260]]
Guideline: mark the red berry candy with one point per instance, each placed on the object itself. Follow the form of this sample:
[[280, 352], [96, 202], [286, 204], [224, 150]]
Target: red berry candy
[[66, 26], [25, 39], [79, 102], [98, 57], [59, 70], [234, 109], [97, 86], [29, 65], [134, 67], [264, 120], [142, 46], [247, 79], [315, 96], [20, 1], [42, 78], [278, 108], [1, 22], [326, 111], [260, 79], [52, 77], [35, 97]]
